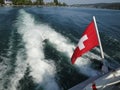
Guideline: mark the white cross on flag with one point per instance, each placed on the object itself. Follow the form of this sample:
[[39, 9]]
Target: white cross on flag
[[88, 41]]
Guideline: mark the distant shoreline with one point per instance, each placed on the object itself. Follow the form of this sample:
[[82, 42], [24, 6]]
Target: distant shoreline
[[113, 6], [35, 5]]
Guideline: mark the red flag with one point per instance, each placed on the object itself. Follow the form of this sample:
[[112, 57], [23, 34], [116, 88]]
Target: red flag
[[88, 41]]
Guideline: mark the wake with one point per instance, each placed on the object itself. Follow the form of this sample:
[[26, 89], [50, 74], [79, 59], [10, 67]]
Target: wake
[[43, 71]]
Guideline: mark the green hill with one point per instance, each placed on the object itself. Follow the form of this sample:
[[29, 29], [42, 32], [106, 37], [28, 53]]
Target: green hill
[[100, 5]]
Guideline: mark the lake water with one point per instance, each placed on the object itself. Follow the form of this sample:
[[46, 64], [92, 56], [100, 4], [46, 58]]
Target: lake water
[[36, 44]]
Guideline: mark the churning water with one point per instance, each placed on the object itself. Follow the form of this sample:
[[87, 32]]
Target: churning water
[[36, 44]]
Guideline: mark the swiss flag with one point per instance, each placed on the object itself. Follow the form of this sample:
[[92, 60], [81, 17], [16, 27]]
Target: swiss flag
[[88, 41]]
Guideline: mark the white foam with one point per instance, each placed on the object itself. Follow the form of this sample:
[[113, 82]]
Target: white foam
[[3, 69], [20, 69], [33, 35], [83, 65], [42, 71], [61, 43], [5, 66]]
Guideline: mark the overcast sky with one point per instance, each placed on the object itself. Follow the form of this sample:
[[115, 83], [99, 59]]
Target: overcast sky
[[84, 1]]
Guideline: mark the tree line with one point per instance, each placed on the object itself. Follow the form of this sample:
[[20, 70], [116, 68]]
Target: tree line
[[1, 1], [37, 2]]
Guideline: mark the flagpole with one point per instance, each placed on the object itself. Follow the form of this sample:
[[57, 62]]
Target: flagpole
[[101, 49]]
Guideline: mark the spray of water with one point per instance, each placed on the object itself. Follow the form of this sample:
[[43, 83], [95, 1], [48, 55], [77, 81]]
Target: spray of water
[[62, 44], [20, 69], [3, 70], [42, 71], [6, 66]]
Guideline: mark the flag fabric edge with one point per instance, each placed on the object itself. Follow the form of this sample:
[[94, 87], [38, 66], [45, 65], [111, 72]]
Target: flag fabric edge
[[86, 44]]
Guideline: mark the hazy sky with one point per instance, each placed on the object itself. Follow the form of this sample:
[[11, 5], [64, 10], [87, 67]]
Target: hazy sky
[[85, 1]]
